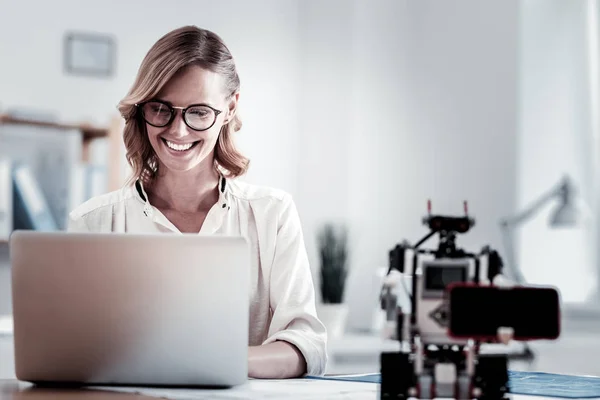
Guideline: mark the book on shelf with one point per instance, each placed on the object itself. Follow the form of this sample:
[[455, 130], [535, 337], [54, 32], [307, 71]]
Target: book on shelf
[[31, 210]]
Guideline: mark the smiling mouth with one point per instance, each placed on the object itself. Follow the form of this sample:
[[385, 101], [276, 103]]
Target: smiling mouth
[[180, 147]]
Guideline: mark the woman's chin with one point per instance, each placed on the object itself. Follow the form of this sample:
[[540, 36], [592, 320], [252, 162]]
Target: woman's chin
[[181, 165]]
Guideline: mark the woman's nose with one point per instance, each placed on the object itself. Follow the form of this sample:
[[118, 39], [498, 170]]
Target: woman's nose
[[178, 126]]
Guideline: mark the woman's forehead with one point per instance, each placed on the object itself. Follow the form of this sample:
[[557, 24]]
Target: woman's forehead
[[193, 85]]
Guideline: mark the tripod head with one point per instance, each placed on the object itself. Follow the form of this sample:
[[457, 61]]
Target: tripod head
[[448, 227]]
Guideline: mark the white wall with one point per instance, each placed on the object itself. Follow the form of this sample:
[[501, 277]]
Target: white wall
[[420, 103], [556, 137], [325, 117], [262, 35], [438, 87]]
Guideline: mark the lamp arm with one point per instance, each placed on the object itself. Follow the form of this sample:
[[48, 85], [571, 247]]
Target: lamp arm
[[530, 210]]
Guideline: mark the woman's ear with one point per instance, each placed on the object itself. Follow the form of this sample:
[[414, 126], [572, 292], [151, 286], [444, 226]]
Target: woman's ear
[[232, 108]]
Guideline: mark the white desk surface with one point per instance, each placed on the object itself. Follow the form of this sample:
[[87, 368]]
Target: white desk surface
[[296, 389], [291, 389]]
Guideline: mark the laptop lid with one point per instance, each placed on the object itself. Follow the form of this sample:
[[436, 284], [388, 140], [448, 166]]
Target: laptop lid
[[140, 309]]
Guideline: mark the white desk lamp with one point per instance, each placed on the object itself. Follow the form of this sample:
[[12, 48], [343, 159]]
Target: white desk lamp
[[566, 215]]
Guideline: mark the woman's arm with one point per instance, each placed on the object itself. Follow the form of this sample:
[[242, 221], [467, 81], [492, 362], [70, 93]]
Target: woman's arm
[[277, 360], [296, 341]]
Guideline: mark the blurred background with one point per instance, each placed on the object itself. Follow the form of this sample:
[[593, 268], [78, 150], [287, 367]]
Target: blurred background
[[362, 110]]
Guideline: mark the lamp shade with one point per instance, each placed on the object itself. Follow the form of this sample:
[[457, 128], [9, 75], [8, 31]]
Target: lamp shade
[[566, 215]]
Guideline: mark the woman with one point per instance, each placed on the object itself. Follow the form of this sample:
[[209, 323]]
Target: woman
[[180, 117]]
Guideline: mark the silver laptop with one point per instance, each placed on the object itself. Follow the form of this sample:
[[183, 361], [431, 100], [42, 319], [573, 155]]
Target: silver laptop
[[129, 309]]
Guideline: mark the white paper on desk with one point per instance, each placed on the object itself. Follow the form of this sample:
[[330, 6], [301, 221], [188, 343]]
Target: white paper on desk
[[291, 389]]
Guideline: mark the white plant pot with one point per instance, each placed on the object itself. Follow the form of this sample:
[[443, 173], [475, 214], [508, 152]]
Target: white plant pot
[[334, 317]]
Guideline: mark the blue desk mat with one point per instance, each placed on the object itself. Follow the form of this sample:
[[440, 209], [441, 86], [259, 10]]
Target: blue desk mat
[[526, 383]]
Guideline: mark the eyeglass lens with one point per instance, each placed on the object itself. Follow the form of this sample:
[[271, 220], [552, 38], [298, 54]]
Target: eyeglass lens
[[197, 117]]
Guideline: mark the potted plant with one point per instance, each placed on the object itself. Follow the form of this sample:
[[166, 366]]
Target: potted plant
[[333, 257]]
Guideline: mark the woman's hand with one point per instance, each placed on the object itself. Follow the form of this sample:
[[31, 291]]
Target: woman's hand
[[278, 360]]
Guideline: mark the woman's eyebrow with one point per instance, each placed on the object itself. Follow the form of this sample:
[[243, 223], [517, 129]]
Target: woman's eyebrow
[[200, 103], [160, 99]]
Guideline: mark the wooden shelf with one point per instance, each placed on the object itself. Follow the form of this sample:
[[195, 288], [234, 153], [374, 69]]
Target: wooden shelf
[[89, 132]]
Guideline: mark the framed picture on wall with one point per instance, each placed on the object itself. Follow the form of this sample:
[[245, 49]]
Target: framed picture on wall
[[89, 54]]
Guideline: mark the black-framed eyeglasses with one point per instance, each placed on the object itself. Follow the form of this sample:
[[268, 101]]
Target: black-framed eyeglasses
[[198, 117]]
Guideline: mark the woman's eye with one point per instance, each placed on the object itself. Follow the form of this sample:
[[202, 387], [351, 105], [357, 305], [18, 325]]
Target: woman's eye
[[198, 114]]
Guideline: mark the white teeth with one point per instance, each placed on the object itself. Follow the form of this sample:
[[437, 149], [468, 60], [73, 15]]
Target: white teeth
[[179, 147]]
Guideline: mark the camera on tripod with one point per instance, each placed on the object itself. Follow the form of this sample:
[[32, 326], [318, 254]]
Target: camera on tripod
[[456, 304]]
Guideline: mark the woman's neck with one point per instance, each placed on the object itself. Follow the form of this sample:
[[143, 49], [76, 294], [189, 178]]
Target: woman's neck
[[187, 192]]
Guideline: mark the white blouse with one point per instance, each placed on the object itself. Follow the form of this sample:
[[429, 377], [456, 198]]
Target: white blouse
[[282, 298]]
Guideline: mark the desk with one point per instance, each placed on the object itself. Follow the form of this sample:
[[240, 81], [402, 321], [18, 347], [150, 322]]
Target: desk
[[13, 390], [291, 389]]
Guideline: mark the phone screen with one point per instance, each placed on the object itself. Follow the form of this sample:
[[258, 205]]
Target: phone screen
[[478, 312]]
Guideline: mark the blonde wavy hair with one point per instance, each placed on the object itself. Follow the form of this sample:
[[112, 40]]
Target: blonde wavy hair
[[188, 45]]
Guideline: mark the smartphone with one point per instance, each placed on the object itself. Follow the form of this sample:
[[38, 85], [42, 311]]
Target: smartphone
[[478, 311]]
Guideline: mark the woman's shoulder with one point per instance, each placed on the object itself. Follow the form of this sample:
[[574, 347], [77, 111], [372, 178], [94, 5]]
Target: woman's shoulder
[[270, 208], [252, 192], [264, 201], [102, 203]]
